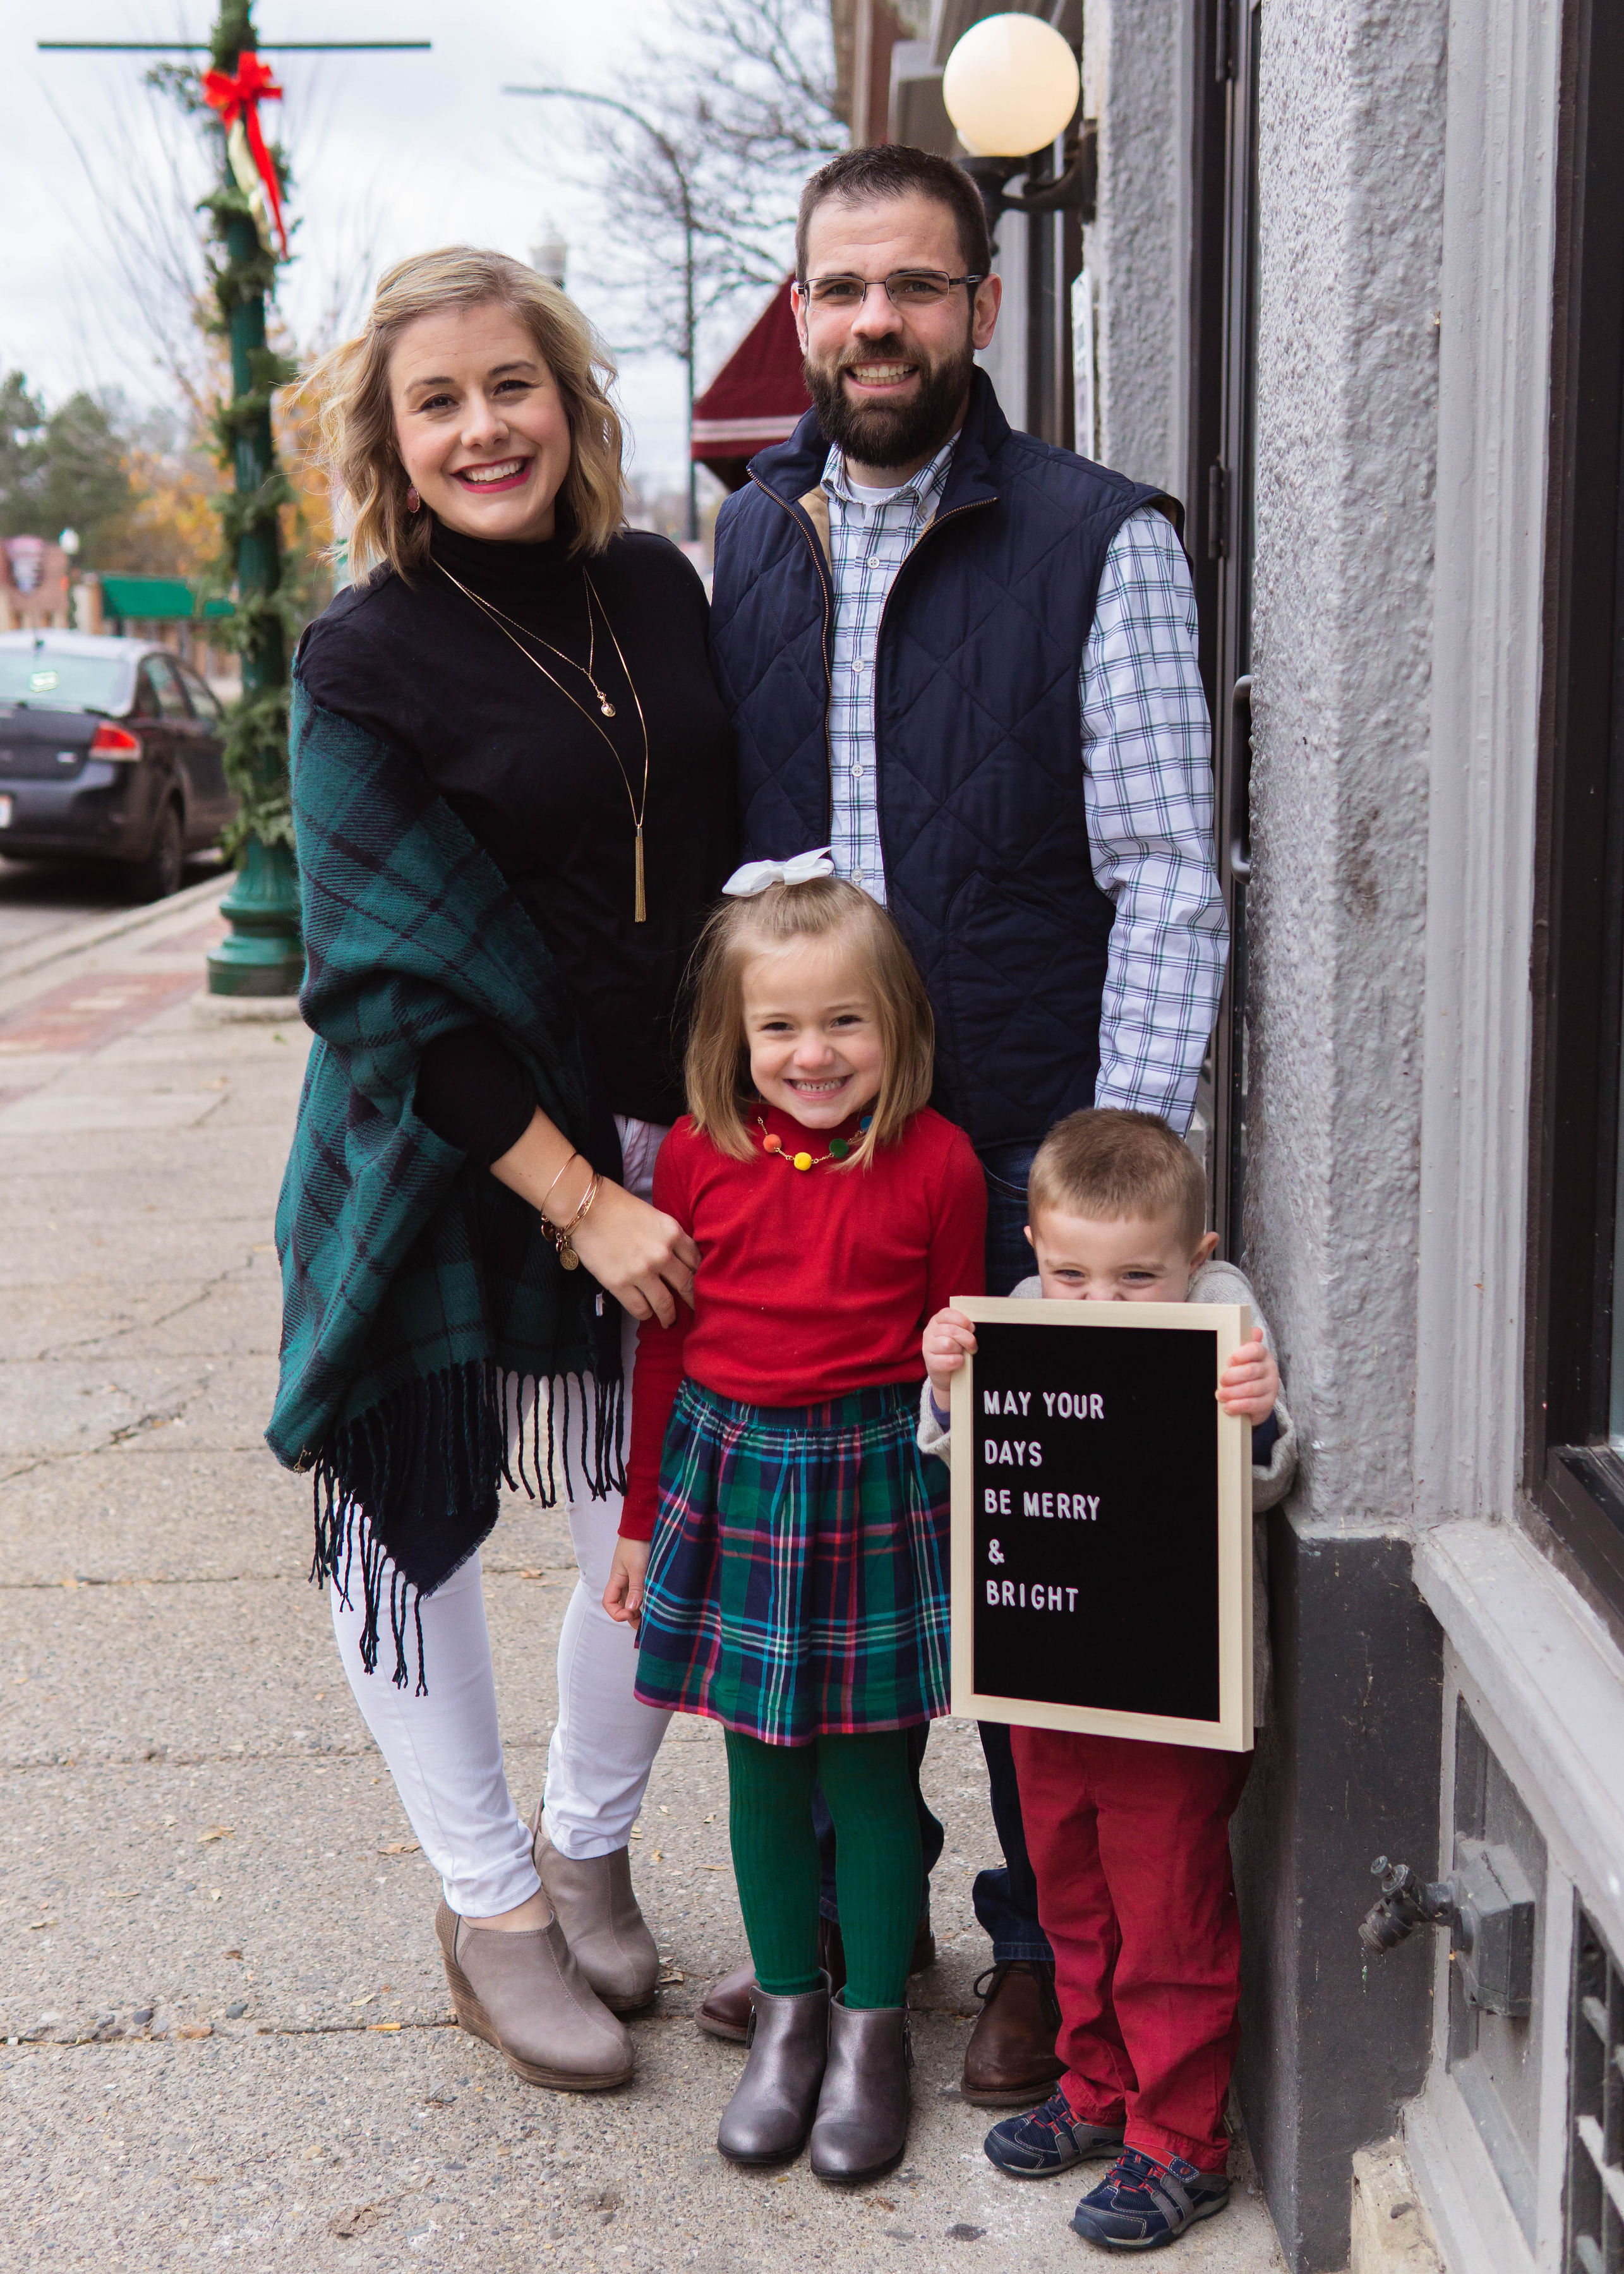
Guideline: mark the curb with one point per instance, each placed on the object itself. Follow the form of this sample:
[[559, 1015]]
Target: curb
[[246, 1010], [34, 955]]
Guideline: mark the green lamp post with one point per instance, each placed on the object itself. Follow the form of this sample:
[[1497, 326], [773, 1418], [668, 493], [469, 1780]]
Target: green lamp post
[[263, 954]]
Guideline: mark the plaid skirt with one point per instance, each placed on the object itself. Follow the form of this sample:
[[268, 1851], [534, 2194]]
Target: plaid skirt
[[797, 1584]]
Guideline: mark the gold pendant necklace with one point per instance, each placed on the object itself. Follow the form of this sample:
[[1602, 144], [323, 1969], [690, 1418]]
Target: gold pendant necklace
[[586, 669], [639, 808]]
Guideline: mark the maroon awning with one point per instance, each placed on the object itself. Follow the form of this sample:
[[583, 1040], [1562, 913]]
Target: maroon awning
[[756, 397]]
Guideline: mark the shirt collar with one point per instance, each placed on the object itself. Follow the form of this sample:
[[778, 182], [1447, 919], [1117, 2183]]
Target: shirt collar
[[923, 489]]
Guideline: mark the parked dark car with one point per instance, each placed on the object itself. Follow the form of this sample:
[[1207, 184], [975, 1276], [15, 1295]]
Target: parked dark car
[[109, 751]]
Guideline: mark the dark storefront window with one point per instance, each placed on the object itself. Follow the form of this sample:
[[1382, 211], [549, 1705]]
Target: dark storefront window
[[1575, 1383]]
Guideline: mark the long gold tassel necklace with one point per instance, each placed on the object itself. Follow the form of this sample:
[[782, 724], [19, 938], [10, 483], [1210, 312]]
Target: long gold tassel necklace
[[639, 808]]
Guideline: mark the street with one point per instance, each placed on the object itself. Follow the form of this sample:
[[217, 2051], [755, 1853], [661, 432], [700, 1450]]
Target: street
[[37, 898], [227, 2029]]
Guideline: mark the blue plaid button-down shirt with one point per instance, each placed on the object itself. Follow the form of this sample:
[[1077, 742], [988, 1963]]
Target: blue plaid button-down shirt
[[1146, 776]]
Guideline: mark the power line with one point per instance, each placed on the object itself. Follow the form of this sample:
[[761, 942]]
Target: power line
[[201, 47]]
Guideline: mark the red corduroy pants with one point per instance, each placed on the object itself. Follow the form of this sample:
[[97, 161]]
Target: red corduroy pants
[[1130, 1846]]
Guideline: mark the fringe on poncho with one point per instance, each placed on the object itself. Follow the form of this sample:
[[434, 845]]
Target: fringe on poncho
[[425, 1313]]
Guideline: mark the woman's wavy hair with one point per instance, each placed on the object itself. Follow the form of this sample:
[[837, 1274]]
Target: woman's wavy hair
[[718, 1066], [349, 389]]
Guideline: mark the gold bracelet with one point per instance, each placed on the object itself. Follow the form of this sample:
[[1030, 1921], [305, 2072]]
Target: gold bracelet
[[541, 1209], [563, 1235]]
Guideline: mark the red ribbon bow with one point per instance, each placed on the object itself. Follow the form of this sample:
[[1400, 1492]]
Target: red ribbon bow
[[239, 97]]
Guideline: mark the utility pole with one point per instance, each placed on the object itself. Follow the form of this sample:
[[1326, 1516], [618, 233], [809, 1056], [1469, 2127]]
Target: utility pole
[[685, 199], [264, 953]]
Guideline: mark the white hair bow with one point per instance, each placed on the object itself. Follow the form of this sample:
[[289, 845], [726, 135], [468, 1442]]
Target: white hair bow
[[756, 875]]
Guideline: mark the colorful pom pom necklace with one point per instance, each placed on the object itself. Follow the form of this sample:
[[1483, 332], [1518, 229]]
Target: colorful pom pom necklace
[[839, 1148]]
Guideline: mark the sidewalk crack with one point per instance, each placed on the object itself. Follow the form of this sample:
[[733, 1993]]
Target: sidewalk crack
[[119, 1436], [200, 1294]]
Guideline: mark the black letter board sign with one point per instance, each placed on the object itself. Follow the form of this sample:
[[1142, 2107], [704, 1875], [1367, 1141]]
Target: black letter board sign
[[1103, 1522]]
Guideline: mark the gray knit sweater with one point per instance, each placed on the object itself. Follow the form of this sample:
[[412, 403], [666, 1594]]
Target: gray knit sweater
[[1214, 1283]]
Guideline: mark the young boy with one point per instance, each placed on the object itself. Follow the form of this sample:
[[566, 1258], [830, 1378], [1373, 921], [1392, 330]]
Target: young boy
[[1130, 1841]]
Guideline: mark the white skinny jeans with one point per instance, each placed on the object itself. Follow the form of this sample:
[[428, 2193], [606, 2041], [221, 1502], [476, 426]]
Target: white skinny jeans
[[444, 1750]]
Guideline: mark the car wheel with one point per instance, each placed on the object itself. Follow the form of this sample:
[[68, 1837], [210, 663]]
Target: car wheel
[[159, 874]]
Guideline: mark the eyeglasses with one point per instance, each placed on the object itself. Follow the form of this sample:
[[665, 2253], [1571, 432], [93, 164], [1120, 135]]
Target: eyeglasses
[[904, 288]]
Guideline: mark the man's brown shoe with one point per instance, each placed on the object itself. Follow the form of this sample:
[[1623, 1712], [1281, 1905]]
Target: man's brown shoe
[[1010, 2062], [726, 2011]]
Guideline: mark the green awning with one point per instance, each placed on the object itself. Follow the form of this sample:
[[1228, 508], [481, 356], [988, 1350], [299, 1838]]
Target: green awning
[[146, 598]]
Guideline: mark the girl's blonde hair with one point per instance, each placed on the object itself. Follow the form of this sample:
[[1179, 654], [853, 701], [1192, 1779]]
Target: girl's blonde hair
[[718, 1066], [350, 387]]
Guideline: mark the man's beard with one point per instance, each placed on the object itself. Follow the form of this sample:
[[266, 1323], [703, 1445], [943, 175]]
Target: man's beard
[[879, 434]]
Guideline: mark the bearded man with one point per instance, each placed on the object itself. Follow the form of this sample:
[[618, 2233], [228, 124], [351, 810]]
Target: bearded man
[[965, 660]]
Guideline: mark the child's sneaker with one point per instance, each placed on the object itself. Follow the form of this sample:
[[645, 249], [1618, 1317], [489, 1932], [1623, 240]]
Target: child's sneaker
[[1141, 2204], [1047, 2140]]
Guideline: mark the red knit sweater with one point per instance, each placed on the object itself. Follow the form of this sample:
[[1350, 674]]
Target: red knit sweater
[[812, 1283]]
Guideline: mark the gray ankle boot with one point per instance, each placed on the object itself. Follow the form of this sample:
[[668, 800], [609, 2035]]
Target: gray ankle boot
[[767, 2119], [608, 1939], [525, 1994], [862, 2127]]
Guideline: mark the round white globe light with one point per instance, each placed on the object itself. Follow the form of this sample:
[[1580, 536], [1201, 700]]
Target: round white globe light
[[1011, 86]]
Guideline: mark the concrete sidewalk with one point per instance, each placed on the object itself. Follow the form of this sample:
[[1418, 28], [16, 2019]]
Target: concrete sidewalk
[[227, 2032]]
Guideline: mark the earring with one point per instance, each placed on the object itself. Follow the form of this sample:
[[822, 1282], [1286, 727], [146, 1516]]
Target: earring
[[412, 499]]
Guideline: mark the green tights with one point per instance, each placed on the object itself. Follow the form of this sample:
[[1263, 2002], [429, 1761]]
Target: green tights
[[878, 1866]]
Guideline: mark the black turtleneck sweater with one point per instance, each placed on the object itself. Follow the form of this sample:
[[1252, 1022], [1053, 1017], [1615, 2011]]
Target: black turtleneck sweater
[[525, 767]]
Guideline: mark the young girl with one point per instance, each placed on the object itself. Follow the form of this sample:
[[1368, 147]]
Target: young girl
[[797, 1590]]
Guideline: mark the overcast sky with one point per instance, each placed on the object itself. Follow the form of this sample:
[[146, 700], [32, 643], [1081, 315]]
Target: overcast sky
[[397, 152]]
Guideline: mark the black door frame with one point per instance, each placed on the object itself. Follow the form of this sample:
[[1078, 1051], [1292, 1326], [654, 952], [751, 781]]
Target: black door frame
[[1219, 485]]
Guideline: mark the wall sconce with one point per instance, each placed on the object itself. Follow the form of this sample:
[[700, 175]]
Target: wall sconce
[[1010, 86]]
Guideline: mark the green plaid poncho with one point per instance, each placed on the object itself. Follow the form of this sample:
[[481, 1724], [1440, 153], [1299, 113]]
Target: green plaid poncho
[[413, 1283]]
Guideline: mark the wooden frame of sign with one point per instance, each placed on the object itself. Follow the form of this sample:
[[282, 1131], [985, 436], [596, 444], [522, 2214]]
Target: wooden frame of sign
[[1101, 1542]]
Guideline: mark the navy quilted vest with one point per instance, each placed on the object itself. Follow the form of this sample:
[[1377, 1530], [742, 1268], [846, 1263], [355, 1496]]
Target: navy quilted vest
[[978, 738]]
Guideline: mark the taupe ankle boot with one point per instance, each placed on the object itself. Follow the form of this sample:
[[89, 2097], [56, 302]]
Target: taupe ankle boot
[[862, 2127], [525, 1994], [593, 1903], [767, 2119]]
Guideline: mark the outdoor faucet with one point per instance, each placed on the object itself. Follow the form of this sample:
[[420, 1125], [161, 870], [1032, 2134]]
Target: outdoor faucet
[[1406, 1903], [1488, 1907]]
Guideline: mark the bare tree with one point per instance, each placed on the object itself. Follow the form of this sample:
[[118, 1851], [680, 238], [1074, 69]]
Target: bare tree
[[147, 179], [697, 162], [148, 163], [711, 130], [753, 85]]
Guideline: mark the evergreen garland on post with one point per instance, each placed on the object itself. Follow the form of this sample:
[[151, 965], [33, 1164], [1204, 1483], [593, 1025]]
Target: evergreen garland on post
[[265, 955], [263, 627]]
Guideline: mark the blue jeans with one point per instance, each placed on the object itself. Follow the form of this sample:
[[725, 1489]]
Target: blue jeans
[[1005, 1900]]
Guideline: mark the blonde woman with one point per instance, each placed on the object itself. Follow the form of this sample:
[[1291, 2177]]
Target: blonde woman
[[513, 799]]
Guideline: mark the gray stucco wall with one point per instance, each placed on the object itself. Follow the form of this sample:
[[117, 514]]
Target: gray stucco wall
[[1351, 137], [1349, 241], [1137, 252]]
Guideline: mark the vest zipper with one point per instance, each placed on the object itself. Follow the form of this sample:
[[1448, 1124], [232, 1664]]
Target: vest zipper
[[825, 588], [975, 506], [824, 573]]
